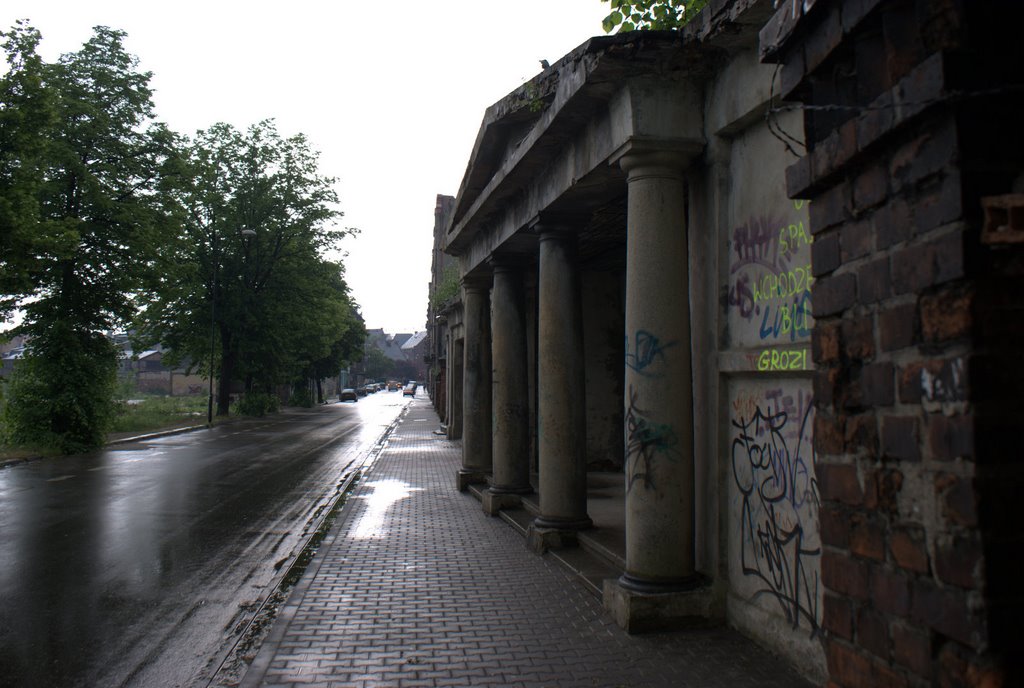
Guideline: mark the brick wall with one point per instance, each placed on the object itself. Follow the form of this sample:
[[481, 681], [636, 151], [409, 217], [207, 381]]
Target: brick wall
[[912, 113]]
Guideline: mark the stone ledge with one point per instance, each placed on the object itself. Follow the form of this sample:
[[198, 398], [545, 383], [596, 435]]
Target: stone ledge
[[465, 477]]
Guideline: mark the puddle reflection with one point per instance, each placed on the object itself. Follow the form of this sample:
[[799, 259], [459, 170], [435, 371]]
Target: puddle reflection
[[385, 493]]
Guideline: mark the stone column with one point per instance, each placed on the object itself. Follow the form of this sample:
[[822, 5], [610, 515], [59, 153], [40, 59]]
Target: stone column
[[660, 585], [511, 432], [455, 362], [561, 435], [476, 385], [658, 386]]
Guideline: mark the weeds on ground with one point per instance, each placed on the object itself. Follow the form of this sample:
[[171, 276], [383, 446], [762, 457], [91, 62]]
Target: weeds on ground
[[154, 413]]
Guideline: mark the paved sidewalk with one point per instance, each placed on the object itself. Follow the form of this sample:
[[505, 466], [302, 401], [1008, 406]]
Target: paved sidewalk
[[416, 586]]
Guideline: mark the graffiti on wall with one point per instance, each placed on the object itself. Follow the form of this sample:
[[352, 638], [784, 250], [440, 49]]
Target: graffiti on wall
[[648, 443], [646, 350], [777, 548], [770, 279]]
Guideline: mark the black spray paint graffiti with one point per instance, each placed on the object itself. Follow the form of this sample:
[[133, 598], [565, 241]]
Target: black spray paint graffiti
[[779, 543], [647, 443], [646, 350]]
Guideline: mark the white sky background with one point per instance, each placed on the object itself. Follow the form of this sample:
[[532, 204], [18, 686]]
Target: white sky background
[[391, 93]]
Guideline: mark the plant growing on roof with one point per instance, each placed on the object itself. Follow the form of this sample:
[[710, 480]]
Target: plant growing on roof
[[447, 287], [657, 15]]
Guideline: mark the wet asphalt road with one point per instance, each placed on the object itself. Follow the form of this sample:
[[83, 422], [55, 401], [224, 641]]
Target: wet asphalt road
[[136, 566]]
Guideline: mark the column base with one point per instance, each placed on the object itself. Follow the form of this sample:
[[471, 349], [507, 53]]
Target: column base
[[640, 607], [467, 476], [495, 499], [544, 534]]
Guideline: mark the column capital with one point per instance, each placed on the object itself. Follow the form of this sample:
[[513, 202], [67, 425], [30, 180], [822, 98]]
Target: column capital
[[661, 157], [476, 282], [506, 262], [549, 223]]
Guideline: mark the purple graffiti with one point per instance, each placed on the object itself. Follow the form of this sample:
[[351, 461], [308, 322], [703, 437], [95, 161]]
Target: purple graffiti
[[756, 243]]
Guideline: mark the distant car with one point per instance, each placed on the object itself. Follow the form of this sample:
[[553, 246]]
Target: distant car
[[348, 394], [409, 391], [361, 391]]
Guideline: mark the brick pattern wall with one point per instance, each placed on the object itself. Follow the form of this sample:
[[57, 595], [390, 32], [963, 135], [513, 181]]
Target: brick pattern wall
[[918, 333]]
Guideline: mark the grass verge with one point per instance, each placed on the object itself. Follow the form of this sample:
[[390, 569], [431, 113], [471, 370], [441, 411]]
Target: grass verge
[[154, 413], [133, 417]]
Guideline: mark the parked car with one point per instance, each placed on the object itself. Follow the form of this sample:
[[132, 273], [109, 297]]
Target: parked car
[[348, 394], [409, 391], [361, 391]]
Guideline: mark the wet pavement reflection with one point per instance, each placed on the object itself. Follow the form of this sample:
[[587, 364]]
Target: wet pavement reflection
[[132, 565]]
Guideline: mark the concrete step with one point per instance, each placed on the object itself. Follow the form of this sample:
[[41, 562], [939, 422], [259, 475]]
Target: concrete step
[[592, 562]]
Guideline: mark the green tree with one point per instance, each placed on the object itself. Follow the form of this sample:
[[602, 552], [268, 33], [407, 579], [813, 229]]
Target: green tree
[[630, 15], [343, 334], [28, 118], [99, 223], [376, 364], [256, 217]]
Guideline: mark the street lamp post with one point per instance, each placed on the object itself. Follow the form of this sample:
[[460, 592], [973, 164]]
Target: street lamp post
[[248, 233], [213, 321]]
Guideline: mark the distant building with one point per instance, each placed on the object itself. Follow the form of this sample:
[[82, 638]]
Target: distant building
[[444, 318]]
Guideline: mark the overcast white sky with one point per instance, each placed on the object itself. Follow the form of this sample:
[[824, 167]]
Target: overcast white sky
[[391, 93]]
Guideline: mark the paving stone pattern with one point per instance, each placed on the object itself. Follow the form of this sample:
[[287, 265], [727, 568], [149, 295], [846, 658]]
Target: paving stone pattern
[[418, 587]]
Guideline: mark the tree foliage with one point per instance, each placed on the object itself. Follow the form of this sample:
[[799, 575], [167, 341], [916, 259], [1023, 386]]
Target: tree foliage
[[256, 217], [630, 15], [28, 116], [109, 219], [377, 365], [82, 220]]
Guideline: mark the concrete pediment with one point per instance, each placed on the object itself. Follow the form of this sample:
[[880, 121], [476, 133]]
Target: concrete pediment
[[548, 145]]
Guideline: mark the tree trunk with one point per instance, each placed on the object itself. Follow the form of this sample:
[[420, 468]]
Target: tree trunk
[[227, 370]]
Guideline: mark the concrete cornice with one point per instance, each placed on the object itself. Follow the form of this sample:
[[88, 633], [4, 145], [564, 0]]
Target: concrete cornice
[[532, 122]]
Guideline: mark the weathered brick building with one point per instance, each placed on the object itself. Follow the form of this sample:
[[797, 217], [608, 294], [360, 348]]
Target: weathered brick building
[[915, 168]]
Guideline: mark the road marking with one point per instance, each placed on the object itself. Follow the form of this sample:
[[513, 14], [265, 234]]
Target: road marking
[[57, 480]]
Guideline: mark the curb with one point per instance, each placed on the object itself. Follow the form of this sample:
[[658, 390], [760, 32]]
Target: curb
[[158, 433]]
